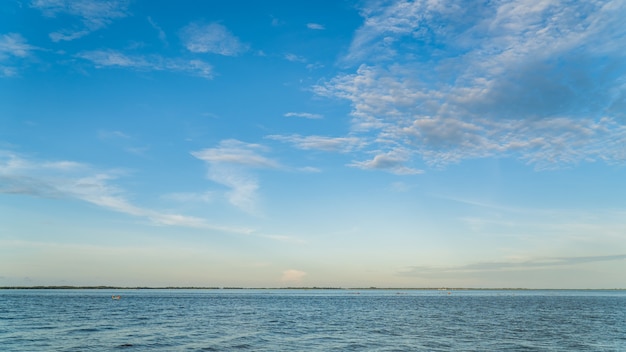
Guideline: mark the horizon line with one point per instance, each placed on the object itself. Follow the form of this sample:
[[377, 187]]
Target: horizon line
[[105, 287]]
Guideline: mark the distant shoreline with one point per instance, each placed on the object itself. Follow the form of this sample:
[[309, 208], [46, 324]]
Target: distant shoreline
[[38, 287]]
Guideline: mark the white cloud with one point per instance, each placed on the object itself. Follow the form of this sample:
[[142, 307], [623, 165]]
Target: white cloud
[[72, 180], [229, 165], [94, 14], [243, 186], [314, 66], [234, 152], [533, 80], [7, 71], [329, 144], [315, 26], [292, 275], [305, 115], [13, 47], [295, 58], [113, 58], [68, 35], [211, 38], [276, 22], [392, 161]]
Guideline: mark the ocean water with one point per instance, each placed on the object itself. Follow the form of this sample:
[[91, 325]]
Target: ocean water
[[312, 320]]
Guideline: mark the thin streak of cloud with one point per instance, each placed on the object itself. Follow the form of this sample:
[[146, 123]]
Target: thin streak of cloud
[[71, 180], [329, 144], [235, 152], [305, 115], [113, 58], [188, 197], [310, 169], [103, 134], [533, 264], [123, 141], [161, 33], [315, 26]]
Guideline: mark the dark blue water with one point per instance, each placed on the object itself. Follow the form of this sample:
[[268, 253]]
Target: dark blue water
[[312, 320]]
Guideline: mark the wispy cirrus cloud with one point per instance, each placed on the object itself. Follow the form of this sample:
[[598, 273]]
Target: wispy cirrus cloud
[[114, 58], [72, 180], [315, 26], [229, 164], [305, 115], [104, 134], [329, 144], [211, 38], [160, 31], [93, 15], [295, 58], [541, 82], [124, 141], [188, 197], [13, 46], [393, 161]]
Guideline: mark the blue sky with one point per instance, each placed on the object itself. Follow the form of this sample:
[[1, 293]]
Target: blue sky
[[313, 143]]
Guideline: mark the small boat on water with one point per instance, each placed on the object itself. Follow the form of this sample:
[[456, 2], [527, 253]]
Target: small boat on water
[[116, 297]]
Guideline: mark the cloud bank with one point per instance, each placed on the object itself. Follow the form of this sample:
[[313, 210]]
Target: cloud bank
[[540, 82], [485, 267]]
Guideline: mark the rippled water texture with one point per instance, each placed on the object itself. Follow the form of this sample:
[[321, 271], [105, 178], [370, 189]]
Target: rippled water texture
[[312, 320]]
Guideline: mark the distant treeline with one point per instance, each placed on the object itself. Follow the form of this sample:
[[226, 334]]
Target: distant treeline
[[66, 287], [102, 288]]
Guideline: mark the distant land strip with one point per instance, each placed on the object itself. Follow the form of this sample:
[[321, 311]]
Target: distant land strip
[[66, 287]]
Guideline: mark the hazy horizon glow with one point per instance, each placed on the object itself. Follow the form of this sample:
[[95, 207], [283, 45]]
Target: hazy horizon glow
[[334, 143]]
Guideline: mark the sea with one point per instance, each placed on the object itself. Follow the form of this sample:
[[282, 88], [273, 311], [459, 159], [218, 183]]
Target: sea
[[311, 320]]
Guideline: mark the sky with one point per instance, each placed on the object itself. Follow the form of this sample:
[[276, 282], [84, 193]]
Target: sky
[[313, 143]]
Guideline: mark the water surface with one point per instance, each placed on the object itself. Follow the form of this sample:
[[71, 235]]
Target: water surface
[[312, 320]]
